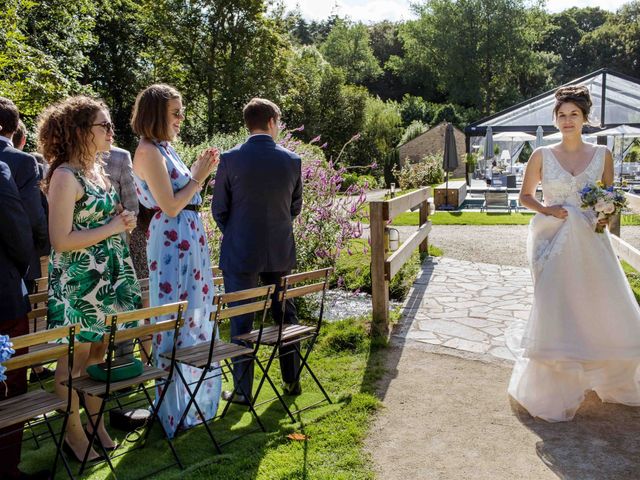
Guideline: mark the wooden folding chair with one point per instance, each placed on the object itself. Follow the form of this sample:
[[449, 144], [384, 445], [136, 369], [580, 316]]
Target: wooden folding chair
[[203, 356], [38, 406], [285, 334], [109, 390]]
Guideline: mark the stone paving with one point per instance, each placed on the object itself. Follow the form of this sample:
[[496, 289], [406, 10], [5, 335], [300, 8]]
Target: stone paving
[[466, 305]]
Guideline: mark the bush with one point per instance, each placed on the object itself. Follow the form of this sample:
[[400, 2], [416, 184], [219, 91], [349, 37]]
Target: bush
[[348, 335], [353, 179], [427, 171]]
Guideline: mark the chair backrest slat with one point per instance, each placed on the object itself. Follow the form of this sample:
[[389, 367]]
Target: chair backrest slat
[[45, 336], [39, 356], [306, 276], [252, 307], [143, 330], [218, 281], [40, 297], [303, 290], [37, 313], [246, 294], [42, 284], [44, 355], [144, 313], [215, 270]]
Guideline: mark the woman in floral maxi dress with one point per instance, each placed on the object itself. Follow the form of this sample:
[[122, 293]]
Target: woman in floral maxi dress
[[90, 271], [177, 250]]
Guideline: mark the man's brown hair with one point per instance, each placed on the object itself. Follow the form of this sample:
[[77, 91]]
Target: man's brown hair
[[258, 112], [9, 117], [149, 116], [19, 134]]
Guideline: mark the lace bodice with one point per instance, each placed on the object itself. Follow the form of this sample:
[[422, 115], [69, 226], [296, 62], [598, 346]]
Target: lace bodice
[[559, 187]]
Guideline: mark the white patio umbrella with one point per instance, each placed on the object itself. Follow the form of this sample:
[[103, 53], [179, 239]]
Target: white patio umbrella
[[539, 136], [513, 137], [621, 131], [488, 144]]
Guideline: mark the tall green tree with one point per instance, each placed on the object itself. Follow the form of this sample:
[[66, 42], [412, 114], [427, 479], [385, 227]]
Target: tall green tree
[[479, 51], [348, 47], [43, 48], [220, 53]]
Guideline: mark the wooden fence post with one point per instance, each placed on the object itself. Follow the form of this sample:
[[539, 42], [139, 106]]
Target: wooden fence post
[[379, 282], [614, 225], [424, 217]]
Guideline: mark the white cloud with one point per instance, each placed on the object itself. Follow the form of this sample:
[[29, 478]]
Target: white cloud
[[369, 11]]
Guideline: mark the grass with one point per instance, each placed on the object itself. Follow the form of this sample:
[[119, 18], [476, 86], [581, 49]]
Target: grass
[[348, 367], [354, 268], [634, 278], [481, 218]]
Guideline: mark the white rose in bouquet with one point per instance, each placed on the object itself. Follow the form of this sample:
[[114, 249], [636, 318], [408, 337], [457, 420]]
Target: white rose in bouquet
[[609, 208], [600, 205]]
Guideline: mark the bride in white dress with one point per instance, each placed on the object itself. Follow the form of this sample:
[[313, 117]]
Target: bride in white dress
[[584, 329]]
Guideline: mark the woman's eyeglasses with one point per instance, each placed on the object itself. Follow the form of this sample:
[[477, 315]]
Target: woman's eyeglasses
[[108, 126], [179, 113]]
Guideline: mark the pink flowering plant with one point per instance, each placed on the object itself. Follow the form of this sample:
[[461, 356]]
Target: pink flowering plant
[[605, 202]]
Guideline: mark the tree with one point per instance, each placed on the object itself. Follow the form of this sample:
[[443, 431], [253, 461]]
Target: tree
[[120, 66], [220, 53], [385, 44], [42, 50], [348, 46], [479, 51]]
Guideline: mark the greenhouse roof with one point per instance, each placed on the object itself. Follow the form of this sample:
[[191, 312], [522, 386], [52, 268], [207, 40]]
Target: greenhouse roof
[[615, 96]]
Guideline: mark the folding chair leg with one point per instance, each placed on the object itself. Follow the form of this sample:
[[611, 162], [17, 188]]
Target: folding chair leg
[[265, 376], [192, 401], [154, 415], [58, 444], [303, 362], [246, 395], [92, 439]]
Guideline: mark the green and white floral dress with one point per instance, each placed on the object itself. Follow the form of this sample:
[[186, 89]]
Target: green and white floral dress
[[88, 284]]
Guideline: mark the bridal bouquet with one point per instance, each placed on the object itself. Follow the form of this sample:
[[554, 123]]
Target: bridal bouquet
[[605, 202]]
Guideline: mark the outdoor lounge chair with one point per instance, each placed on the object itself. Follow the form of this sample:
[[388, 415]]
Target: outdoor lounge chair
[[496, 199]]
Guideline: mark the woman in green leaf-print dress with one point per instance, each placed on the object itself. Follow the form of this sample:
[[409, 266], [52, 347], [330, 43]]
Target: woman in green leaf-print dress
[[90, 271]]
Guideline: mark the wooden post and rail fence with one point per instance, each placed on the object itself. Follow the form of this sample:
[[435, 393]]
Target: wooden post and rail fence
[[624, 250], [385, 265]]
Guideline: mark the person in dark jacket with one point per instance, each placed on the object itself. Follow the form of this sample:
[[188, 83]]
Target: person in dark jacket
[[27, 177], [16, 246], [257, 194]]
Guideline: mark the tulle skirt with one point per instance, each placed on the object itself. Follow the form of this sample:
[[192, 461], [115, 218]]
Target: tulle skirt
[[584, 329]]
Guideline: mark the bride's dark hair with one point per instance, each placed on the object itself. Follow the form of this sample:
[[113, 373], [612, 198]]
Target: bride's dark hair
[[578, 95]]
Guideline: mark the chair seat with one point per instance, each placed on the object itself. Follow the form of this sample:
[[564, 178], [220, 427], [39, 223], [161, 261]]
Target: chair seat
[[29, 405], [198, 355], [96, 388], [270, 334]]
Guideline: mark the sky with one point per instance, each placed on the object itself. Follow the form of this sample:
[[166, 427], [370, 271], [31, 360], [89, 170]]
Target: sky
[[368, 11]]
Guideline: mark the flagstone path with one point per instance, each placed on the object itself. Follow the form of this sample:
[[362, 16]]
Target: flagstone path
[[466, 305]]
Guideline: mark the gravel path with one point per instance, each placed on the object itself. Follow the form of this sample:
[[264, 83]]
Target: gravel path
[[497, 244]]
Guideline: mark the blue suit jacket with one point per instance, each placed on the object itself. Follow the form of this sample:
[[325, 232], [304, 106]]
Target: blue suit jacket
[[257, 194], [27, 176], [16, 246]]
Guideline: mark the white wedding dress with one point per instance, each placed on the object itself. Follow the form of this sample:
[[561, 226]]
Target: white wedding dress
[[584, 329]]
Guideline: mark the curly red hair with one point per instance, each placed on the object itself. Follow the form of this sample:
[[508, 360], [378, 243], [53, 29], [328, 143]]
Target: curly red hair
[[64, 133]]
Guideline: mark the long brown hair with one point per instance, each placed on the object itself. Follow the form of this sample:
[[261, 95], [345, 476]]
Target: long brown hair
[[64, 133], [149, 116]]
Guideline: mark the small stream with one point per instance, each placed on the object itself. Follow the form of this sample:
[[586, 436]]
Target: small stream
[[341, 304]]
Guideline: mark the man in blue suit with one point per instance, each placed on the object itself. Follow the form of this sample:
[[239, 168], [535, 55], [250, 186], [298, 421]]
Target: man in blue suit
[[257, 194]]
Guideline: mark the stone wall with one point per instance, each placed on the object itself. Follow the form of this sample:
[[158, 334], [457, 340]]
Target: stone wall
[[431, 142]]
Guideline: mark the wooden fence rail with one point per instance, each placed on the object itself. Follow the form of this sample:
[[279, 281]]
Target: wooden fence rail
[[624, 250], [384, 268]]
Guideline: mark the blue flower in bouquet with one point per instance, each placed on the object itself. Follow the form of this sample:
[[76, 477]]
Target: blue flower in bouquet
[[6, 351]]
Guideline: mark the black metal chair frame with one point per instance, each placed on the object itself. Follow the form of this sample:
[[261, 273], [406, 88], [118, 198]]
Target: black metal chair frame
[[52, 407], [204, 355], [111, 390], [288, 334]]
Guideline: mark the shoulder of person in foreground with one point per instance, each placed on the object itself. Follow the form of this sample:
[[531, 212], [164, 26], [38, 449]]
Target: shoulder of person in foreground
[[289, 153]]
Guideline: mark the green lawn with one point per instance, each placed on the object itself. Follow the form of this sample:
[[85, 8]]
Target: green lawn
[[347, 365], [482, 218]]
